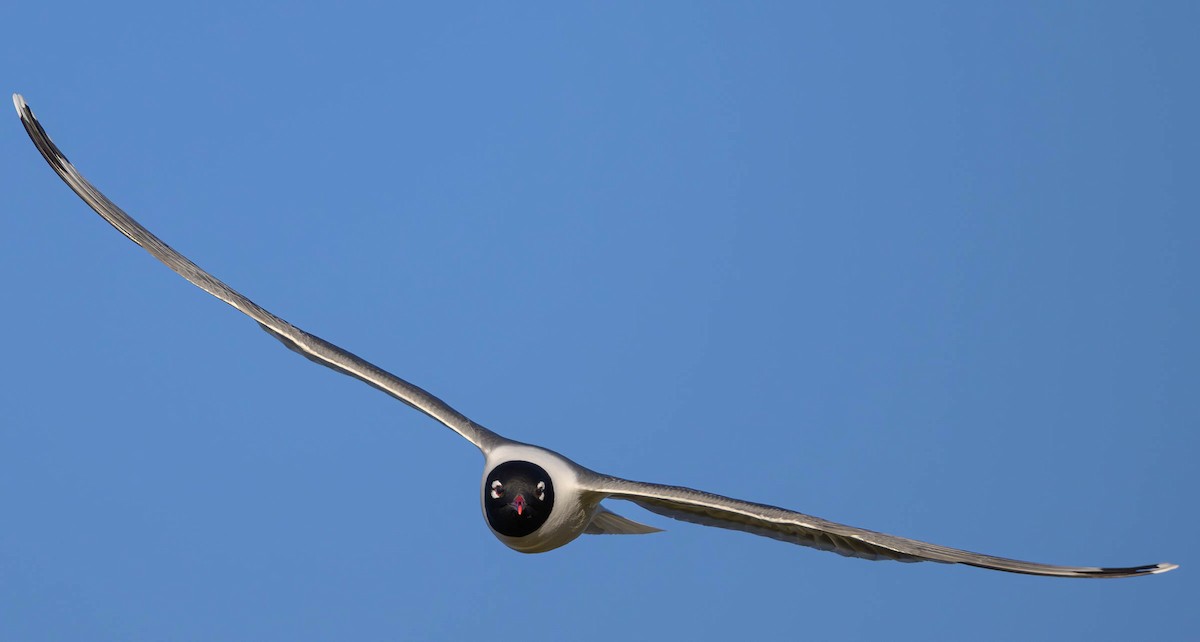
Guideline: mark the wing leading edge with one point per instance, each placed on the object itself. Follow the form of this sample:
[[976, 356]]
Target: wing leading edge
[[310, 346], [699, 507]]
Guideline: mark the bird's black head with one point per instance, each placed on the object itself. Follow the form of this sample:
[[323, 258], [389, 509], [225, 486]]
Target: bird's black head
[[517, 498]]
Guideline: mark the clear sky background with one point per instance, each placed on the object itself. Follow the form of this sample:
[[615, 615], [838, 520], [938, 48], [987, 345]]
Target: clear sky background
[[927, 269]]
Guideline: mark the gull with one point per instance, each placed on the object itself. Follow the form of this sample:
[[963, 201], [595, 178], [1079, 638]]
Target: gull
[[534, 499]]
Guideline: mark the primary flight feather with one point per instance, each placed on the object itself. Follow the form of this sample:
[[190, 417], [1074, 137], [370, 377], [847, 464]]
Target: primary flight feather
[[534, 499]]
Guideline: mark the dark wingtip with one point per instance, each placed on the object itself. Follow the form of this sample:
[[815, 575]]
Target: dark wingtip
[[1100, 572], [1148, 569], [41, 139], [1133, 571]]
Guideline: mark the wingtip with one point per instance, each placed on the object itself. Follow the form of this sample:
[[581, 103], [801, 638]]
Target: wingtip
[[1164, 567], [19, 103], [1149, 569]]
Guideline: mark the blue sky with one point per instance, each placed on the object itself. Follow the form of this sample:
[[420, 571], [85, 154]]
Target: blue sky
[[928, 269]]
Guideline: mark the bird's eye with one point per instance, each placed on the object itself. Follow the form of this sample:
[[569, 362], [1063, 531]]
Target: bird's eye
[[497, 489], [541, 491]]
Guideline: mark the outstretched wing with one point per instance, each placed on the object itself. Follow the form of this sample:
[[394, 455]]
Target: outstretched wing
[[789, 526], [310, 346]]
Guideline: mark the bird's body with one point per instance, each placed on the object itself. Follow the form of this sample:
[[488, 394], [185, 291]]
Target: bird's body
[[533, 499], [573, 506]]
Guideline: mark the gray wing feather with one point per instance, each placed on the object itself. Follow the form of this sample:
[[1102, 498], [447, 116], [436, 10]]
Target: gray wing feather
[[699, 507], [606, 522], [308, 345]]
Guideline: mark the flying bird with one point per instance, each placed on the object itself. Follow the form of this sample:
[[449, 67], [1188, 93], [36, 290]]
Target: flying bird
[[534, 499]]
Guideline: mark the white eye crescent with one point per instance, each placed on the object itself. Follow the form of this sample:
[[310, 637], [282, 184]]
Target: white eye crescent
[[541, 490], [497, 489]]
